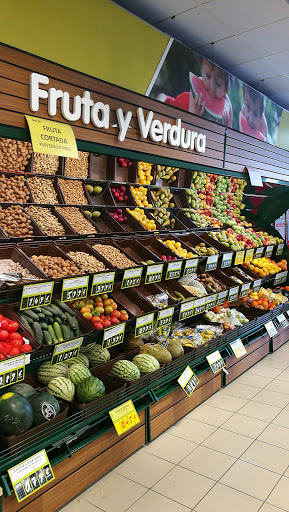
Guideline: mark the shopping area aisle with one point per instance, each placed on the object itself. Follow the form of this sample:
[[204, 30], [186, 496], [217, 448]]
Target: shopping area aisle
[[229, 454]]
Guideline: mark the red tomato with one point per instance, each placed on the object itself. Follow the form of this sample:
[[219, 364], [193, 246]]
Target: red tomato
[[13, 326], [2, 356], [6, 347], [115, 314], [114, 320], [123, 317], [4, 335], [94, 319], [106, 323], [26, 348], [98, 325], [4, 324], [102, 317], [16, 343], [16, 336], [14, 351]]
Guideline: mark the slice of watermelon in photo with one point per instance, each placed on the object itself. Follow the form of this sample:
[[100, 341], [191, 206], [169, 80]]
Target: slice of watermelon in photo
[[215, 107], [244, 127]]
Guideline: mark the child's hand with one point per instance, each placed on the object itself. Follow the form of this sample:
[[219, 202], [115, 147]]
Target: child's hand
[[197, 106], [225, 118]]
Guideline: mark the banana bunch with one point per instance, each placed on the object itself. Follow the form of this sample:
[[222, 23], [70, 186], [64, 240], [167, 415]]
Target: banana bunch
[[179, 297]]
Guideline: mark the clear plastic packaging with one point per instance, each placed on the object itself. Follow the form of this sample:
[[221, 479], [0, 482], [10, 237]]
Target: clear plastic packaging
[[159, 301]]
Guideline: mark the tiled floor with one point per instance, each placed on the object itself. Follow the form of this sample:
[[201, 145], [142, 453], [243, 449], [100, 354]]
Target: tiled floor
[[231, 454]]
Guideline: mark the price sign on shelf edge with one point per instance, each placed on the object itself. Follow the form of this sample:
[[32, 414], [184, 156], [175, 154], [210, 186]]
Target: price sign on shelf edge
[[216, 361], [271, 329], [102, 283], [154, 273], [165, 317], [186, 310], [191, 266], [239, 257], [74, 288], [188, 381], [131, 277], [212, 262], [113, 335], [36, 295], [124, 417], [12, 370], [144, 324], [174, 269], [279, 250], [227, 260], [238, 348], [66, 350]]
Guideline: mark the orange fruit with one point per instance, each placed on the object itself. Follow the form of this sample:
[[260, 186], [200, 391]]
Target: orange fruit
[[87, 315]]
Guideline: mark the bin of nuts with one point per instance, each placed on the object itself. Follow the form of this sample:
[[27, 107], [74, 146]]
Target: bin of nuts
[[85, 257], [50, 260], [45, 164], [42, 190], [13, 189], [77, 168], [17, 224], [73, 191], [14, 154], [114, 256], [76, 220], [48, 222]]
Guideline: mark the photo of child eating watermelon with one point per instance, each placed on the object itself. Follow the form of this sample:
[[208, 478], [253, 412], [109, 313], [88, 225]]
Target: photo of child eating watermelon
[[252, 120]]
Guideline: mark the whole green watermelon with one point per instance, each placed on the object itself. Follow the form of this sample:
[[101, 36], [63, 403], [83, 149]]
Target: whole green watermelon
[[44, 406], [16, 415]]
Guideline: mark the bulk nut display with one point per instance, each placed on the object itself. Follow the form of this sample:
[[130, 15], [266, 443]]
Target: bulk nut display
[[77, 168], [203, 250], [45, 219], [166, 173], [13, 189], [87, 262], [45, 164], [42, 190], [14, 154], [144, 173], [162, 198], [15, 221], [8, 265], [140, 196], [72, 191], [77, 220], [114, 256], [55, 266]]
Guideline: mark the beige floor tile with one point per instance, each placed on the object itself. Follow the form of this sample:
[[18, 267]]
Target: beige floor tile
[[265, 371], [125, 493], [207, 462], [250, 479], [271, 398], [282, 419], [241, 390], [184, 486], [286, 472], [245, 425], [192, 430], [283, 376], [156, 502], [144, 468], [275, 435], [228, 442], [258, 381], [227, 402], [280, 495], [260, 411], [267, 456], [211, 415], [224, 499], [170, 448], [79, 505], [280, 386], [276, 362], [269, 508]]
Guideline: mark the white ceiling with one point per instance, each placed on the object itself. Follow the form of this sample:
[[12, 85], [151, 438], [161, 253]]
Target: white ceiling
[[248, 38]]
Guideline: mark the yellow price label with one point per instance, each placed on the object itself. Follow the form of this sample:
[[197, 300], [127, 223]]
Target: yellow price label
[[124, 417], [51, 137], [249, 255], [239, 257]]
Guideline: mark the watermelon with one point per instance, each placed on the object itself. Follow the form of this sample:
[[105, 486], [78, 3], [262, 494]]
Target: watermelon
[[215, 108], [44, 406], [125, 370], [21, 388], [77, 372], [81, 358], [146, 363], [16, 414], [46, 372], [244, 127], [87, 348], [62, 388], [90, 389], [98, 355]]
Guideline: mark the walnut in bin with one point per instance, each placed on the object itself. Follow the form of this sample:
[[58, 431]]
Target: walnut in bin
[[14, 154], [55, 266]]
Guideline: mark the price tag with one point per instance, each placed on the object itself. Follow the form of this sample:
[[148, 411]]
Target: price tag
[[238, 348], [280, 277], [165, 317], [259, 252], [66, 350], [227, 260], [131, 277], [200, 306], [31, 475], [271, 329], [239, 258], [154, 273], [282, 320], [113, 335], [102, 283], [12, 371], [244, 289], [249, 255], [212, 262], [280, 249], [188, 381], [186, 310], [256, 285], [124, 417], [144, 324], [211, 301], [221, 297], [74, 288], [191, 266], [269, 251], [174, 270], [233, 294], [36, 295], [216, 361]]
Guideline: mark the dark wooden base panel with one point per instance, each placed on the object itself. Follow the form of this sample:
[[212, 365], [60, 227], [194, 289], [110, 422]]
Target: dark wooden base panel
[[246, 362], [279, 340]]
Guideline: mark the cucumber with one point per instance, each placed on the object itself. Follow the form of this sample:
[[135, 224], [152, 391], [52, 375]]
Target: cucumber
[[66, 333], [41, 316], [58, 320], [26, 321], [31, 314], [47, 338], [52, 334], [72, 322], [51, 310], [63, 306], [59, 312], [38, 331], [58, 332], [37, 309], [77, 330], [44, 325], [46, 311]]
